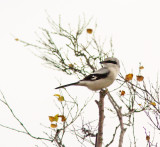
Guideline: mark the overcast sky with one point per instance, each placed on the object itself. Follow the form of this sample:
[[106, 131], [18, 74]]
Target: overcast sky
[[28, 85]]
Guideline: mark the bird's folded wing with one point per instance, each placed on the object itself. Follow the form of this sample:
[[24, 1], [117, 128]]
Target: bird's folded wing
[[99, 74]]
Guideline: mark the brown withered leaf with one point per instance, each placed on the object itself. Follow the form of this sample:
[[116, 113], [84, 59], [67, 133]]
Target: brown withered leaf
[[89, 31], [122, 93], [147, 138], [54, 118], [153, 103], [141, 67], [140, 78], [129, 77], [53, 125], [63, 118]]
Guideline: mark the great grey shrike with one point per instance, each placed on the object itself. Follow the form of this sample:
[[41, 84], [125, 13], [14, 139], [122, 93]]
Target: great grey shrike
[[101, 78]]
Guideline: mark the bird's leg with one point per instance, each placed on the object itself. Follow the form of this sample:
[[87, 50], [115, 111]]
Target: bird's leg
[[103, 92]]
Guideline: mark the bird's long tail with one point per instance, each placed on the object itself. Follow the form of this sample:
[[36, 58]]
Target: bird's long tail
[[67, 85]]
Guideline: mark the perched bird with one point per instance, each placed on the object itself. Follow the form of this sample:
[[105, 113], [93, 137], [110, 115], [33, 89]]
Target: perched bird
[[101, 78]]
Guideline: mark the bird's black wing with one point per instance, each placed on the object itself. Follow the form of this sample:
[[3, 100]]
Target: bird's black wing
[[95, 76]]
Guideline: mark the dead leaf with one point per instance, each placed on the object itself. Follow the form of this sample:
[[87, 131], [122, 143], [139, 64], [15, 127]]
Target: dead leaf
[[147, 138], [129, 77], [53, 125], [153, 103], [141, 67], [63, 118], [123, 93], [140, 78], [51, 118], [54, 118], [89, 31], [57, 95], [61, 98]]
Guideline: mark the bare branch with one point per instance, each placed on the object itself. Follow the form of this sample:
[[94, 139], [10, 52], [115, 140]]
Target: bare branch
[[26, 130], [100, 103]]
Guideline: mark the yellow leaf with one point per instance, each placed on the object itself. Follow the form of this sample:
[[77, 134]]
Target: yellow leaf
[[129, 77], [140, 104], [147, 138], [51, 118], [122, 93], [16, 39], [153, 103], [140, 78], [61, 98], [57, 95], [141, 67], [89, 31], [53, 125], [54, 118]]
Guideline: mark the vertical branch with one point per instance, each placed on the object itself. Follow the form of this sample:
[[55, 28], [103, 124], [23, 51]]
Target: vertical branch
[[100, 103], [120, 117], [122, 127]]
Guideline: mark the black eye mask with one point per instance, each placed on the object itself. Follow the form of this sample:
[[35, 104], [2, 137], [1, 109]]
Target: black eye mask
[[109, 61]]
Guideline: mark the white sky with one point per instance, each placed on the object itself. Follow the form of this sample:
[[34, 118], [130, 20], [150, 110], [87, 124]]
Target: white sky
[[28, 85]]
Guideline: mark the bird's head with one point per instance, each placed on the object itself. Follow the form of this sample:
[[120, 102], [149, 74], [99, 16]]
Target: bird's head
[[110, 61]]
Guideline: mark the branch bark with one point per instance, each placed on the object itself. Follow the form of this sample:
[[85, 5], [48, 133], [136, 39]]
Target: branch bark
[[100, 103], [120, 117]]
